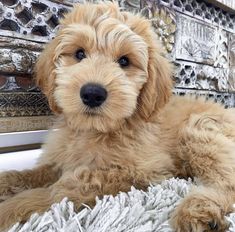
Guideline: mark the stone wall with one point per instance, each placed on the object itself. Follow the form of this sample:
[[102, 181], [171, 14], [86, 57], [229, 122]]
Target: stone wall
[[199, 37]]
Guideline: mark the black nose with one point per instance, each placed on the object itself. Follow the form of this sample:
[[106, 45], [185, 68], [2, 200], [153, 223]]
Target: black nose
[[93, 95]]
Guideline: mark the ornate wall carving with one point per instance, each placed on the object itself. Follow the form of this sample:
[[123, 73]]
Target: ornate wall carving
[[202, 77], [31, 19], [232, 63], [199, 37]]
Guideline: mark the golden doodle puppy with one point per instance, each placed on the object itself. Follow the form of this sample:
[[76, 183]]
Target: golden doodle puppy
[[106, 77]]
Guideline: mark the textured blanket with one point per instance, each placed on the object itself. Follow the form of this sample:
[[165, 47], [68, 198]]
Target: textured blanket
[[135, 211]]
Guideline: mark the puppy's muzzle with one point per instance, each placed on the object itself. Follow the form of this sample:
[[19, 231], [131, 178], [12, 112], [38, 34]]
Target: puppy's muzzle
[[93, 95]]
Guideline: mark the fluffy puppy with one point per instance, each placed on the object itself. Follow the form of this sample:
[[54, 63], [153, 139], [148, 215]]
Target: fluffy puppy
[[106, 77]]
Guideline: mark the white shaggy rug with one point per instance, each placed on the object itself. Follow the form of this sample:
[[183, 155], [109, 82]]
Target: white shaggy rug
[[135, 211]]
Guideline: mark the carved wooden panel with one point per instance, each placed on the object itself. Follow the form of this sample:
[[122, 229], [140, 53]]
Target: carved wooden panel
[[202, 77], [196, 40], [18, 56], [207, 12], [225, 98], [26, 123], [198, 36]]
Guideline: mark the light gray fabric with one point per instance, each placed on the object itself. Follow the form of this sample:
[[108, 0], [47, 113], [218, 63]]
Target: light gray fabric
[[135, 211]]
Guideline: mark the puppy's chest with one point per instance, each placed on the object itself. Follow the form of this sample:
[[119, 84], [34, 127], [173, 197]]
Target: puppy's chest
[[97, 152], [140, 156]]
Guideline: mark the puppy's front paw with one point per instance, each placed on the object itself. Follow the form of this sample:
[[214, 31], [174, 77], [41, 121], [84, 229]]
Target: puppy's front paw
[[198, 214], [6, 190], [7, 216], [9, 185]]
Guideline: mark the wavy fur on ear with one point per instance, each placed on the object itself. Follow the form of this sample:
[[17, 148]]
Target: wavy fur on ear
[[157, 90], [45, 76]]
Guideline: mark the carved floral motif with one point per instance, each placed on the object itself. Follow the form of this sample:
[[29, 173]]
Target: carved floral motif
[[163, 21]]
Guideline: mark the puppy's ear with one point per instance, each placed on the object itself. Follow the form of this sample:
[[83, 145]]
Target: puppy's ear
[[45, 73], [157, 90]]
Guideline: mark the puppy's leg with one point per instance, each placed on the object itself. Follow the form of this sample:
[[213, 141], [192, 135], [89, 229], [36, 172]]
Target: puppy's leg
[[13, 182], [79, 186], [204, 209], [19, 207], [206, 151]]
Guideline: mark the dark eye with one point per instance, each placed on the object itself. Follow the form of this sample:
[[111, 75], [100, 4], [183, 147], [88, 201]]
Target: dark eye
[[80, 54], [123, 61]]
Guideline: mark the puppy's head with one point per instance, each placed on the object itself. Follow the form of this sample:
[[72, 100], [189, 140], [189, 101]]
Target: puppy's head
[[103, 68]]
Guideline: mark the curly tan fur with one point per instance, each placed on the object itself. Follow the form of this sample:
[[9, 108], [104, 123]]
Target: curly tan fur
[[140, 134]]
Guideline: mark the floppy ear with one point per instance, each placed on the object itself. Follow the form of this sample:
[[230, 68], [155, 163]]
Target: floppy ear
[[45, 73], [157, 90]]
